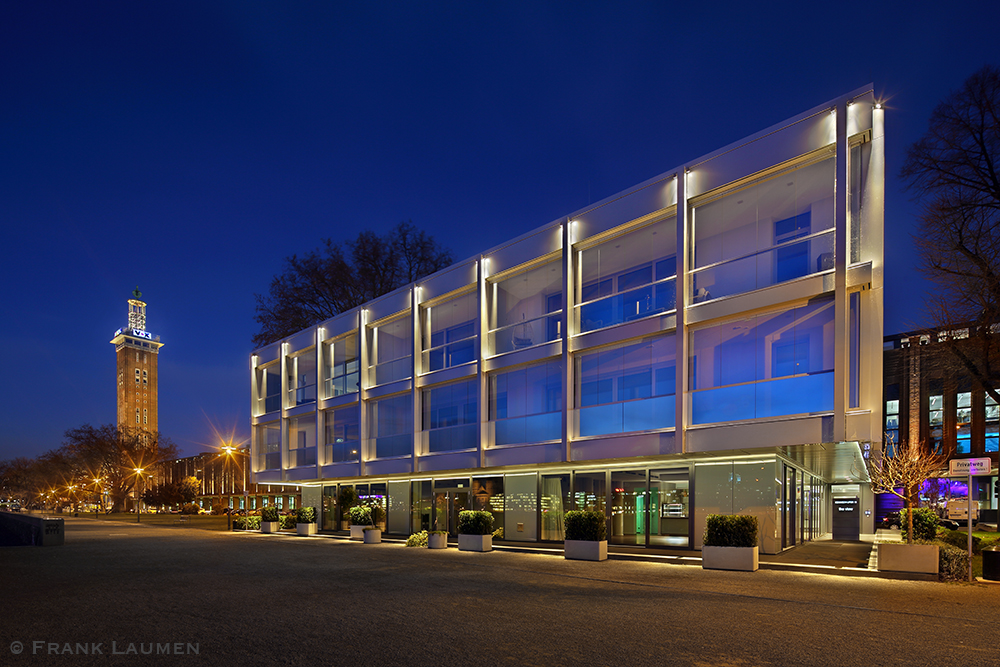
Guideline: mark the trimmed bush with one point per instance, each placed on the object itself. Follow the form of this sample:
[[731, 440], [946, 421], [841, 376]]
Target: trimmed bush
[[289, 521], [953, 563], [251, 522], [269, 513], [417, 539], [305, 515], [361, 516], [957, 538], [472, 522], [190, 508], [730, 530], [498, 533], [925, 523], [588, 526]]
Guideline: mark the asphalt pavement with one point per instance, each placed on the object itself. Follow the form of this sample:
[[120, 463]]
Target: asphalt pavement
[[116, 591]]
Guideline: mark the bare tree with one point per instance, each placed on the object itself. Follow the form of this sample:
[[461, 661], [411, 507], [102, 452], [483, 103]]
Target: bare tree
[[343, 275], [954, 172], [901, 469], [114, 454]]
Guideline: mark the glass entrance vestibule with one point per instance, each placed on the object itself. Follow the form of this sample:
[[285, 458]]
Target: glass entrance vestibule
[[657, 505]]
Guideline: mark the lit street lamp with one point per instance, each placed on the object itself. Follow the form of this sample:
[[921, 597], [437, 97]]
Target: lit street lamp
[[228, 450], [138, 496]]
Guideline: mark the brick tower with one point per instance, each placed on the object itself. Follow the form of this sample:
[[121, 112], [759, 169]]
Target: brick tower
[[137, 351]]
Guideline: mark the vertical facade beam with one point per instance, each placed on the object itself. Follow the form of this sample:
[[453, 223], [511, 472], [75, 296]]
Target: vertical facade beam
[[566, 322], [416, 365], [364, 428], [283, 423], [482, 428], [841, 370], [684, 254]]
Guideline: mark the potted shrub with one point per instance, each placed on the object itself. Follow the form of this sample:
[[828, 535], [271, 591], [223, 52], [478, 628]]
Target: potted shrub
[[586, 536], [250, 522], [730, 543], [347, 498], [372, 534], [289, 521], [417, 539], [913, 557], [361, 516], [269, 520], [305, 521], [475, 531], [438, 539]]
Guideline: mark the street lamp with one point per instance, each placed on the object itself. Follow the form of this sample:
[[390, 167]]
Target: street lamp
[[97, 490], [138, 497], [228, 450]]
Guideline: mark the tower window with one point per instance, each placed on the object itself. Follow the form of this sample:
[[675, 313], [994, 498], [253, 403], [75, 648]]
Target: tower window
[[144, 380], [137, 415], [137, 376], [144, 417]]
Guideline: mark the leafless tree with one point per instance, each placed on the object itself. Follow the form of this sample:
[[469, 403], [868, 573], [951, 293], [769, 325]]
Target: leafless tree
[[343, 275], [901, 469], [954, 172]]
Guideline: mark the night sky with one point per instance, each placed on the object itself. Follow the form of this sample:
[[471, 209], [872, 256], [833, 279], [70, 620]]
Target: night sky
[[189, 147]]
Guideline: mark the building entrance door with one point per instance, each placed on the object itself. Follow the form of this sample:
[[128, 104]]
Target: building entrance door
[[447, 505]]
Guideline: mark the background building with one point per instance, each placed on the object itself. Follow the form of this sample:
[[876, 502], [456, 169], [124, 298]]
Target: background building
[[137, 352], [929, 398], [708, 341], [228, 483]]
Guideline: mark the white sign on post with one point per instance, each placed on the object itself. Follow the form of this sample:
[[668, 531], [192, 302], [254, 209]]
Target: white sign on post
[[969, 466]]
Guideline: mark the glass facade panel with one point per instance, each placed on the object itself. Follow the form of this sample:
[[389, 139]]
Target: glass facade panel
[[555, 502], [626, 387], [525, 309], [449, 333], [935, 416], [488, 496], [399, 507], [765, 366], [342, 375], [269, 446], [421, 505], [391, 423], [526, 404], [891, 412], [590, 491], [776, 230], [301, 378], [451, 416], [271, 388], [520, 508], [669, 507], [963, 422], [628, 507], [390, 351], [628, 277], [992, 422], [302, 441], [343, 439]]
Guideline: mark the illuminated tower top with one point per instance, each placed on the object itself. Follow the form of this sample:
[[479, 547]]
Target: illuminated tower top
[[136, 311]]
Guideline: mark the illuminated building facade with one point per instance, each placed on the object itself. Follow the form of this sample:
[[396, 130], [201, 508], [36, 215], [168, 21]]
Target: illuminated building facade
[[137, 351], [708, 341]]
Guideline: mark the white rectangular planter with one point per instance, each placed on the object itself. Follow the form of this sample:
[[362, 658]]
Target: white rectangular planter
[[920, 558], [586, 550], [743, 559], [270, 526], [305, 529], [357, 532], [437, 541], [373, 536], [474, 542]]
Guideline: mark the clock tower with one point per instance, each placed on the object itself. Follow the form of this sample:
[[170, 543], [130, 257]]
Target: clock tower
[[137, 352]]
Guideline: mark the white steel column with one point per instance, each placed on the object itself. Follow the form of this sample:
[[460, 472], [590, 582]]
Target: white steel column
[[684, 253], [567, 333], [482, 427], [841, 370]]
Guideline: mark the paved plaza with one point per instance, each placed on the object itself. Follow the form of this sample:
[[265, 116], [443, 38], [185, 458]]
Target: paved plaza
[[118, 590]]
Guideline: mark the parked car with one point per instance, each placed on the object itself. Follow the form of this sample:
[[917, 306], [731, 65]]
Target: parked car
[[891, 520]]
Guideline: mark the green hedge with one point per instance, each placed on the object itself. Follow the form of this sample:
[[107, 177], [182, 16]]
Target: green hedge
[[361, 515], [417, 539], [269, 513], [588, 526], [305, 515], [731, 530], [925, 523], [471, 522], [251, 522], [953, 563], [960, 539], [289, 520], [190, 508]]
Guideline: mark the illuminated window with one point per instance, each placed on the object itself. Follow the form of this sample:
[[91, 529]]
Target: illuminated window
[[891, 431], [935, 416], [963, 423], [992, 425]]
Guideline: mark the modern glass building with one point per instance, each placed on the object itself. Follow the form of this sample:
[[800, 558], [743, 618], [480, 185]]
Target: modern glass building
[[708, 341]]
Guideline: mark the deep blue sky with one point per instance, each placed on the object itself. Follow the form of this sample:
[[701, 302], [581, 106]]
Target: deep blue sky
[[188, 147]]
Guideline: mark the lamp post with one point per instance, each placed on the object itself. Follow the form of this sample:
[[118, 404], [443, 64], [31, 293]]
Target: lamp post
[[228, 453], [138, 496], [97, 503]]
